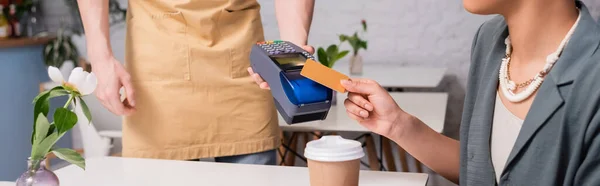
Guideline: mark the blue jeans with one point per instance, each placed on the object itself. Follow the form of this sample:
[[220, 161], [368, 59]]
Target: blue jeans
[[259, 158]]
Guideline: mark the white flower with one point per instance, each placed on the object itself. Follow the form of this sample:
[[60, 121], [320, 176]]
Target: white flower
[[79, 80]]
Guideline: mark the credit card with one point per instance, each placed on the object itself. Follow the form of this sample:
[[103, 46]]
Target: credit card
[[323, 75]]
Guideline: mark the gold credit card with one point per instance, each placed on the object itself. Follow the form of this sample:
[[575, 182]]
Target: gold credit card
[[323, 75]]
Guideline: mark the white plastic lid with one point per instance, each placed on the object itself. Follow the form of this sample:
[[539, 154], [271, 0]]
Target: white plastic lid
[[333, 149]]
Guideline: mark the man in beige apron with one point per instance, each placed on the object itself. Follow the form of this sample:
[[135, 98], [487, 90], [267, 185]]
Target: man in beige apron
[[189, 95]]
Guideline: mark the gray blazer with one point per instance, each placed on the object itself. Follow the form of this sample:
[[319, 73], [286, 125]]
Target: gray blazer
[[559, 143]]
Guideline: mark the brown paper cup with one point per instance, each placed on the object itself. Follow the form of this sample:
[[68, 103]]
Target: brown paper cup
[[345, 173], [334, 161]]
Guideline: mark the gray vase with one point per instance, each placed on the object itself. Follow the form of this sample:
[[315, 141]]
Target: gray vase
[[356, 65], [37, 175]]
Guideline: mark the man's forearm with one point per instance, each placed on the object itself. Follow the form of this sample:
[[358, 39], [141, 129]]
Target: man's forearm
[[94, 14], [438, 152], [294, 18]]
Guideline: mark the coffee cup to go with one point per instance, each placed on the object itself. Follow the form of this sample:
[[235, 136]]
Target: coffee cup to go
[[334, 161]]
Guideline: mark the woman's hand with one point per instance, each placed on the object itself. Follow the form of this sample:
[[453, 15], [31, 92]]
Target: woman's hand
[[373, 107], [261, 82]]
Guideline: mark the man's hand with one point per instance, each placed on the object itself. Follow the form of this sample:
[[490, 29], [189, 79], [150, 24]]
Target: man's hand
[[111, 77], [261, 82]]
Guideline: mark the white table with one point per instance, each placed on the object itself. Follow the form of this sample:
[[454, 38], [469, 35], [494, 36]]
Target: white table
[[429, 107], [398, 77], [5, 183], [113, 171]]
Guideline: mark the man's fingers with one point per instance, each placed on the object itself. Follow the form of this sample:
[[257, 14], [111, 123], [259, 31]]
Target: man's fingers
[[309, 49], [128, 108], [259, 80], [264, 85], [126, 81], [360, 101], [361, 86], [117, 105], [250, 71], [355, 109], [103, 98]]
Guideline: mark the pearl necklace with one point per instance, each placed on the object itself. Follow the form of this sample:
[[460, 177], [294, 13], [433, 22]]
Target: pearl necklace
[[508, 86]]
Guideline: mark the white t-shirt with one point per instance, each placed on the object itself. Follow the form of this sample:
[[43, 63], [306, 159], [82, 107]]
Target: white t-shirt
[[505, 129]]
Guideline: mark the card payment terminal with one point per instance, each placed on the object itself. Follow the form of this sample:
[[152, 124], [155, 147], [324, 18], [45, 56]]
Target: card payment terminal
[[297, 98]]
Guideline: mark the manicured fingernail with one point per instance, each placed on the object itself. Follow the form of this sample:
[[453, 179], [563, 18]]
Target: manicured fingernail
[[368, 107], [363, 113], [345, 82]]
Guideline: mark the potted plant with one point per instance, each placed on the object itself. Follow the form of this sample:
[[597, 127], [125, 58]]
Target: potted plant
[[45, 134], [61, 53], [356, 43]]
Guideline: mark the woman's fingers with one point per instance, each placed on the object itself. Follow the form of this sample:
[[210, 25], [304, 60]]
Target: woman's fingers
[[354, 116], [361, 101], [355, 109], [362, 86]]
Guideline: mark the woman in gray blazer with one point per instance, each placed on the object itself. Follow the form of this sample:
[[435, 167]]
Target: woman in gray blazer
[[531, 114], [534, 87]]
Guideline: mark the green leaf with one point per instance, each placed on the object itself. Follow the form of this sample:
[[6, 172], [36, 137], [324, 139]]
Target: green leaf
[[51, 129], [45, 93], [42, 126], [323, 58], [70, 156], [341, 55], [59, 91], [343, 38], [64, 120], [332, 50], [337, 56], [363, 44], [86, 111], [41, 107], [44, 147]]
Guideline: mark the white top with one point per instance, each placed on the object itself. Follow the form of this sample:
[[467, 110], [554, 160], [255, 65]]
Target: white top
[[114, 171], [398, 76], [505, 130], [333, 149], [428, 107]]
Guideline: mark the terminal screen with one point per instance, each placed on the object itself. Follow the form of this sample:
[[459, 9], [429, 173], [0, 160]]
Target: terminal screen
[[290, 62]]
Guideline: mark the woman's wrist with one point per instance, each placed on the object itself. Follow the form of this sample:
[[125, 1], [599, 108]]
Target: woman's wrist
[[405, 125]]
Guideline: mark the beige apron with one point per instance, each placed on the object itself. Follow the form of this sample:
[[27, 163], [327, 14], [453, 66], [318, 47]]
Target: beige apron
[[194, 97]]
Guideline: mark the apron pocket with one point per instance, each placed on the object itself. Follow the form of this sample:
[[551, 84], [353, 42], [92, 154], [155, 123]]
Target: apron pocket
[[240, 28], [157, 49]]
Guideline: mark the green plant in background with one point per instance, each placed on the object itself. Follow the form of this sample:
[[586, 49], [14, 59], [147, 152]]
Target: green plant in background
[[331, 55], [46, 134], [60, 50], [355, 41]]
